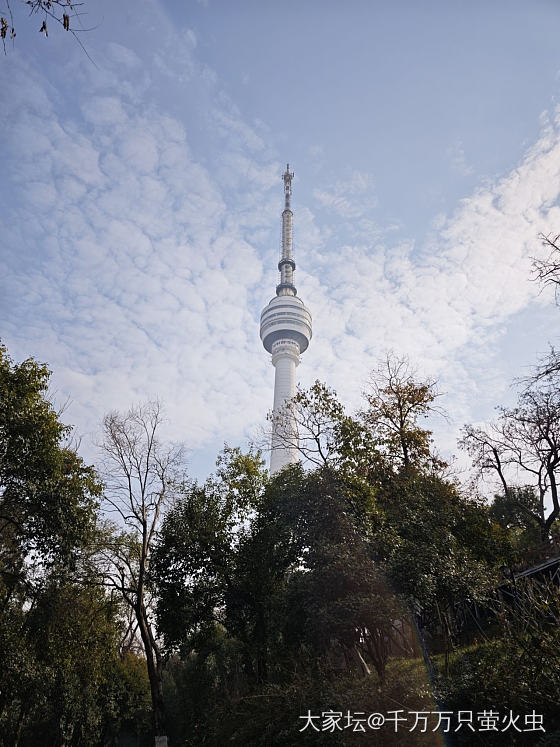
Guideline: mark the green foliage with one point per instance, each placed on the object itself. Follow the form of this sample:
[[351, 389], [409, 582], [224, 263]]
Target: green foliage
[[520, 669], [47, 495], [274, 596], [273, 716], [275, 592], [254, 592], [193, 563], [62, 680], [446, 549], [129, 699], [494, 675], [515, 512], [335, 599]]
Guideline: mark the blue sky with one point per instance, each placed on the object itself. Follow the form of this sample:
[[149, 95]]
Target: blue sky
[[141, 201]]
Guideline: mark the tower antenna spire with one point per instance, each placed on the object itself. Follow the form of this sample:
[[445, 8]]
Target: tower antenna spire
[[287, 176], [287, 264]]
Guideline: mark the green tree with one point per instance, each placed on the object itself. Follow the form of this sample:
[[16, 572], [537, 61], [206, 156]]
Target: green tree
[[515, 512], [59, 630], [48, 497], [279, 576], [62, 681], [194, 562], [436, 546], [336, 604], [296, 586]]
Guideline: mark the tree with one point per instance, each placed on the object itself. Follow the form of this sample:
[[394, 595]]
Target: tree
[[443, 550], [396, 400], [195, 568], [139, 473], [515, 512], [60, 673], [436, 546], [285, 590], [58, 629], [386, 432], [293, 578], [523, 445], [324, 434], [337, 604], [48, 497]]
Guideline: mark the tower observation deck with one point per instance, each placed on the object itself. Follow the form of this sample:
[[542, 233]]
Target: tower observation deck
[[285, 333]]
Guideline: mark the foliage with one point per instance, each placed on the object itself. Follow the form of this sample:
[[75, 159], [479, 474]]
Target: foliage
[[301, 578], [436, 545], [274, 717], [384, 436], [257, 599], [48, 496], [129, 689], [275, 581], [324, 434], [193, 563], [48, 500], [519, 670], [515, 513], [62, 681], [445, 543], [396, 400]]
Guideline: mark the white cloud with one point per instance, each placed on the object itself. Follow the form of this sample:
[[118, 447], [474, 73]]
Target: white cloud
[[134, 267], [145, 290], [444, 304]]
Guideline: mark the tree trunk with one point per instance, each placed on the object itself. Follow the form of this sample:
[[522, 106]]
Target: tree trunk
[[19, 728], [154, 675]]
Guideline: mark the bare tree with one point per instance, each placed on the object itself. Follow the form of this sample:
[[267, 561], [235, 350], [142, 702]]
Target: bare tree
[[547, 271], [138, 474], [523, 448]]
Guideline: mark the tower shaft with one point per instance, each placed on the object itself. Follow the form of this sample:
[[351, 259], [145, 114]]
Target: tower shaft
[[285, 359]]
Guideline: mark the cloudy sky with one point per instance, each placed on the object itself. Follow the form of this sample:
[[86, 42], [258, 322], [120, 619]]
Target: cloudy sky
[[141, 200]]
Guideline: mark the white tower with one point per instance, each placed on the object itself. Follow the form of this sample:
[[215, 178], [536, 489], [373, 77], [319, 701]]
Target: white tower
[[285, 332]]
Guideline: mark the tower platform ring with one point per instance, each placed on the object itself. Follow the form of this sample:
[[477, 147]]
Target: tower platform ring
[[286, 317]]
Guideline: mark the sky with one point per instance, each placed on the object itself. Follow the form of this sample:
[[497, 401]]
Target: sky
[[141, 199]]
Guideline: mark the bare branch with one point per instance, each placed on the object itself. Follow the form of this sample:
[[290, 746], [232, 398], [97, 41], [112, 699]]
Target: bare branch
[[138, 471], [547, 271]]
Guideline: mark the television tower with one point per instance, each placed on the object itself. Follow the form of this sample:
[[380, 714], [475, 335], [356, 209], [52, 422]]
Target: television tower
[[285, 332]]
